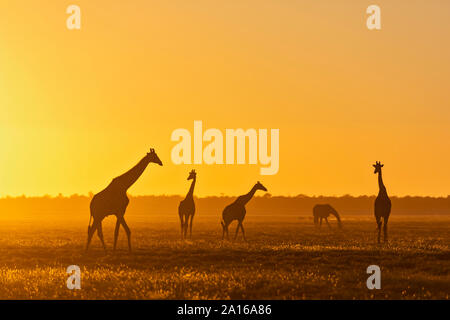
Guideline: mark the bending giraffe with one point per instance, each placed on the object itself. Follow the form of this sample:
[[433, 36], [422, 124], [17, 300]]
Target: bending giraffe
[[382, 203], [323, 211], [113, 200], [186, 209], [236, 211]]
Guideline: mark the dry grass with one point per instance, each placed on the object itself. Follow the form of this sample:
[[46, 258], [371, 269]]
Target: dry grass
[[285, 258]]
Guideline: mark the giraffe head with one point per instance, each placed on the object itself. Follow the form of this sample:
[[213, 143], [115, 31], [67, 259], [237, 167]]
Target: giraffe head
[[259, 186], [378, 167], [153, 157], [192, 175]]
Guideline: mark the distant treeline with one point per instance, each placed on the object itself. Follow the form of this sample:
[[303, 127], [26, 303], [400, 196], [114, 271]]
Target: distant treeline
[[76, 205]]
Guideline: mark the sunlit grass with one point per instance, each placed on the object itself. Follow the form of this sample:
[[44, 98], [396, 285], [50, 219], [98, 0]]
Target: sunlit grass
[[285, 258]]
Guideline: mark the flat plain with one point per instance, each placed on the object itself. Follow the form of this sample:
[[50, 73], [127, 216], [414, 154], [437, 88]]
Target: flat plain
[[285, 257]]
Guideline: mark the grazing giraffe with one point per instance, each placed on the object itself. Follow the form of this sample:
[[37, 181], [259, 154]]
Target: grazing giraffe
[[323, 211], [186, 209], [113, 200], [236, 211], [382, 203]]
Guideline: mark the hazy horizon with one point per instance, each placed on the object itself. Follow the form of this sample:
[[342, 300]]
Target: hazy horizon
[[91, 193]]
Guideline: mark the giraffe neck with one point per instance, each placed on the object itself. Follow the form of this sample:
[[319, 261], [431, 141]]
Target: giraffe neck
[[380, 183], [334, 213], [190, 193], [127, 179], [247, 197]]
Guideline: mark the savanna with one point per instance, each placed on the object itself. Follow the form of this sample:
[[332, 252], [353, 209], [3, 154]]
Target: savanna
[[285, 257]]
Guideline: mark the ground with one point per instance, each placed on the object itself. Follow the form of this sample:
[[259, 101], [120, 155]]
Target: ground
[[285, 257]]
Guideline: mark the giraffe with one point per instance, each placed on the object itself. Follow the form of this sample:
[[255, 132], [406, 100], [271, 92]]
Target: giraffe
[[323, 211], [186, 209], [113, 200], [236, 211], [382, 203]]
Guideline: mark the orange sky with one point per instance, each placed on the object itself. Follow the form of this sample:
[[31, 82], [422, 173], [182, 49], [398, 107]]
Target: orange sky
[[81, 107]]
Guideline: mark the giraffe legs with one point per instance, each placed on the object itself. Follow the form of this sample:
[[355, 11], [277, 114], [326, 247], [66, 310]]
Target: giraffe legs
[[225, 231], [379, 223], [185, 226], [116, 233], [127, 231], [237, 230], [243, 232], [182, 226], [100, 235], [120, 221], [240, 226], [185, 223], [91, 231], [385, 229], [190, 226]]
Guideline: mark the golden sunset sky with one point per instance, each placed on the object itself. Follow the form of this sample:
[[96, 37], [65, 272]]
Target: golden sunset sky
[[79, 107]]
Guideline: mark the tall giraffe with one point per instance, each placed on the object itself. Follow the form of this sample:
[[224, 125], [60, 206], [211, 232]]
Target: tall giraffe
[[323, 211], [236, 211], [186, 209], [382, 203], [113, 200]]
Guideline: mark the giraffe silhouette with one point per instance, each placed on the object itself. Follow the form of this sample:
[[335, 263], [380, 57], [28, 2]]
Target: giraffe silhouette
[[323, 211], [186, 209], [113, 200], [382, 203], [236, 211]]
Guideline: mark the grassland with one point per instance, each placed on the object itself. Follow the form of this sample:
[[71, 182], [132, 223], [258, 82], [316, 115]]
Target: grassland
[[285, 258]]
